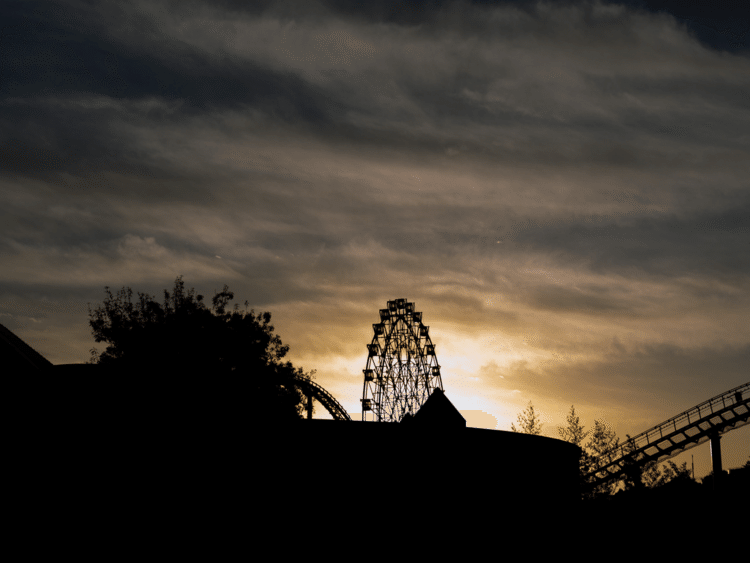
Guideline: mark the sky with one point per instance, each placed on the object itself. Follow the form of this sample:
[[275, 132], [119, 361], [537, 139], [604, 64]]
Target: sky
[[561, 188]]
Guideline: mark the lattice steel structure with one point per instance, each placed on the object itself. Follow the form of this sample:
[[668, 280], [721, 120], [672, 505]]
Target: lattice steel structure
[[711, 418], [402, 369]]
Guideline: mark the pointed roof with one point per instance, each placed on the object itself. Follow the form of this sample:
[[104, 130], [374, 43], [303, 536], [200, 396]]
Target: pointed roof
[[437, 410], [18, 356]]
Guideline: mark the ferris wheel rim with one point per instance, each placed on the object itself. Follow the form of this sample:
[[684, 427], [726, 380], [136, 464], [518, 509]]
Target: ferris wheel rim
[[398, 384]]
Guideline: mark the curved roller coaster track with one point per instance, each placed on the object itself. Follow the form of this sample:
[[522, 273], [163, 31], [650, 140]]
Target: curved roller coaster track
[[699, 424], [313, 390]]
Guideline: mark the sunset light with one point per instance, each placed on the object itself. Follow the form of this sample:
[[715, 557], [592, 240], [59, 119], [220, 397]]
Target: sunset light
[[560, 189]]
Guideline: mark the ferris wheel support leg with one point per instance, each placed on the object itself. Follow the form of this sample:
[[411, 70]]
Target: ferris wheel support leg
[[716, 459]]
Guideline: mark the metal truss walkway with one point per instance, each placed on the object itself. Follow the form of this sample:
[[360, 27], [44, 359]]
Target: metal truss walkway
[[707, 420], [313, 390]]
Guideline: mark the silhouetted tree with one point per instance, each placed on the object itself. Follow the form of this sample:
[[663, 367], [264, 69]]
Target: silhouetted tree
[[184, 338], [575, 433], [637, 474], [600, 450], [651, 475], [673, 472], [600, 446], [528, 422]]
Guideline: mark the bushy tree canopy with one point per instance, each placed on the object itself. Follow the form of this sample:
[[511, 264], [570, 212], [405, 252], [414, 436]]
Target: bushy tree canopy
[[651, 475], [184, 338]]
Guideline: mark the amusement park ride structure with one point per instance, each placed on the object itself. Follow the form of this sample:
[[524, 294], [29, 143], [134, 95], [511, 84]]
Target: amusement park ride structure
[[402, 370]]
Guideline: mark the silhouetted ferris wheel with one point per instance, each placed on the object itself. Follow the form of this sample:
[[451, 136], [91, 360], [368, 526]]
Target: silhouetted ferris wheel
[[402, 369]]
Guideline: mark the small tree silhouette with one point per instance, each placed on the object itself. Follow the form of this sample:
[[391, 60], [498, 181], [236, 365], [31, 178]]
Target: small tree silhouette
[[528, 422], [601, 447], [575, 434]]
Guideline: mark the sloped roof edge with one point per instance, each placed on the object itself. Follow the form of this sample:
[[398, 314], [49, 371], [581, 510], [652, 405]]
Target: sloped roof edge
[[20, 352]]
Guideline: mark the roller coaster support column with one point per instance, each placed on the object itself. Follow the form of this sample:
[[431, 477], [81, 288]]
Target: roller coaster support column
[[310, 407], [716, 458]]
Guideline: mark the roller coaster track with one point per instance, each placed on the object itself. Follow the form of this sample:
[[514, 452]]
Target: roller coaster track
[[313, 390], [716, 416]]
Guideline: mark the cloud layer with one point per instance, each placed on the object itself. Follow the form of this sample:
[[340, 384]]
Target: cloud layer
[[562, 188]]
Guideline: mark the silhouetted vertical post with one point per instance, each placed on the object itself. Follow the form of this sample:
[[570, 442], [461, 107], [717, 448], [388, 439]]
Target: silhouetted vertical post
[[309, 406], [716, 458]]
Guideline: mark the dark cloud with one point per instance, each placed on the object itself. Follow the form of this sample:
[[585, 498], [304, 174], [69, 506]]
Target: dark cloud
[[45, 137], [703, 245], [59, 52], [719, 25], [577, 301], [64, 50]]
